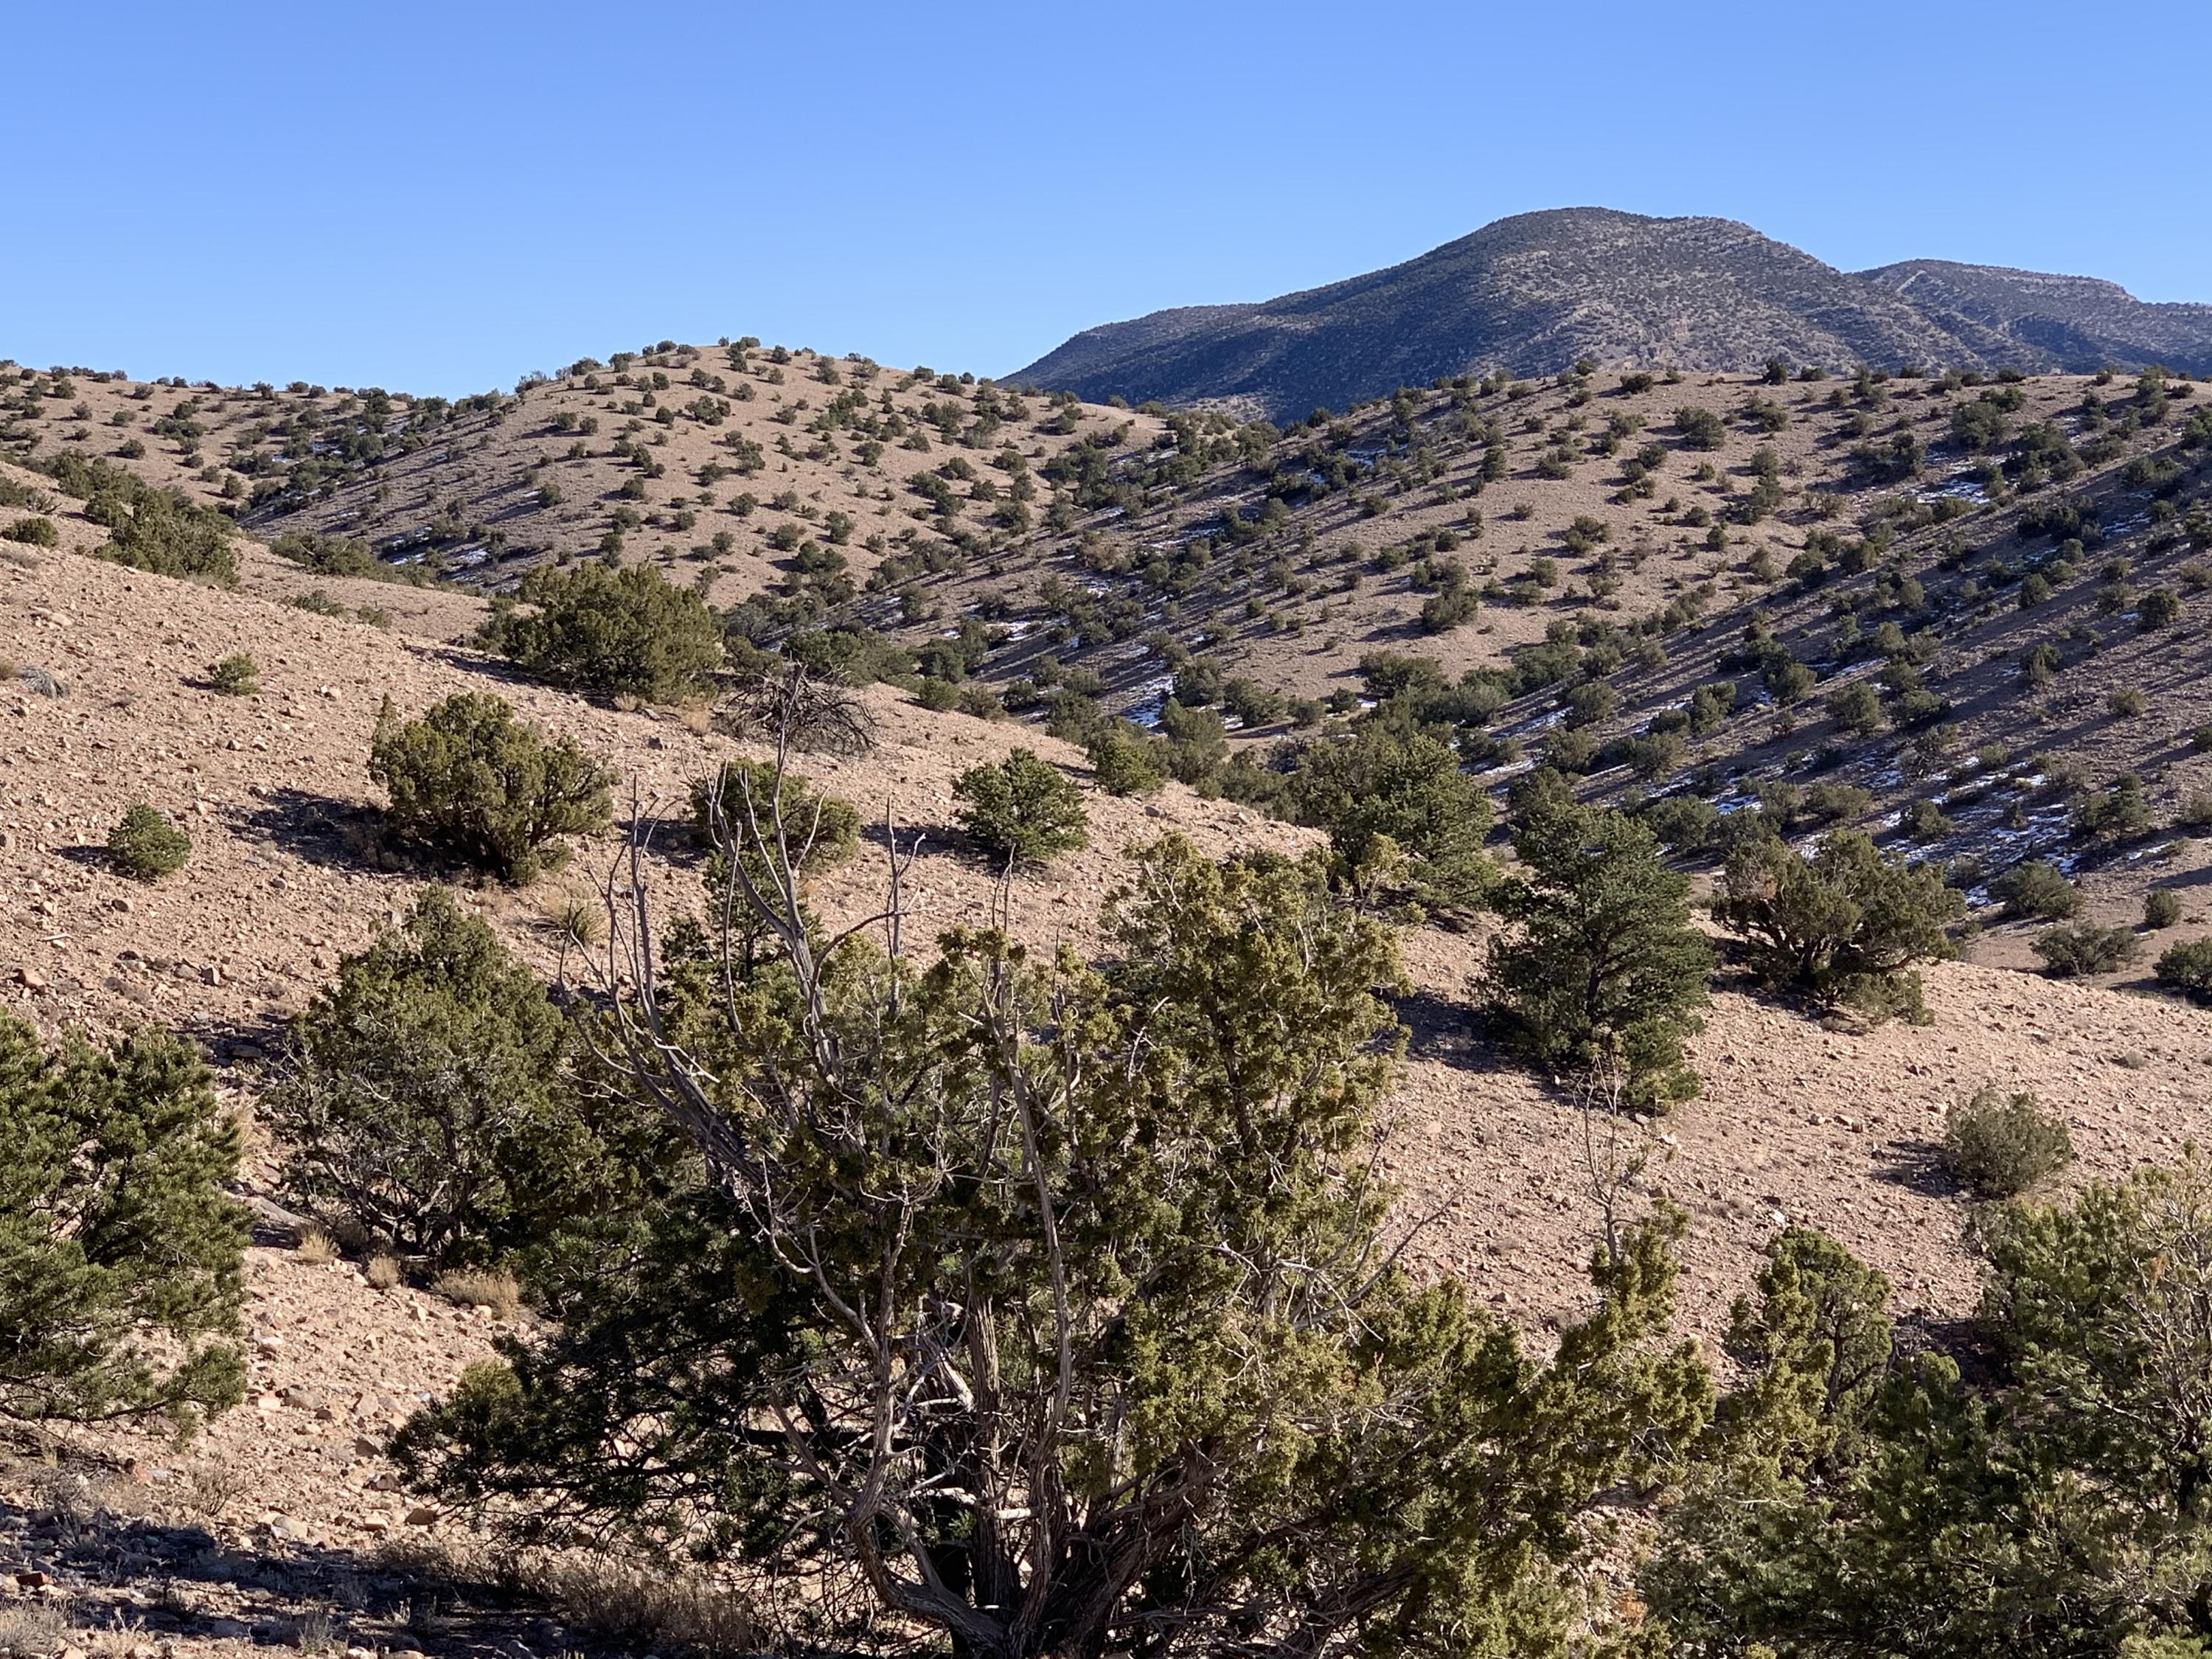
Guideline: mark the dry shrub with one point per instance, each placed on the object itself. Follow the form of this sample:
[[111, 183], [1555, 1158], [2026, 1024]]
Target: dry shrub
[[636, 1610], [481, 1287], [317, 1247], [208, 1492], [383, 1272], [29, 1629]]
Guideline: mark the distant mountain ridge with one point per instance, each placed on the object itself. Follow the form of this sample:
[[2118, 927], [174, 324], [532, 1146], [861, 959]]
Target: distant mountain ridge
[[1533, 292]]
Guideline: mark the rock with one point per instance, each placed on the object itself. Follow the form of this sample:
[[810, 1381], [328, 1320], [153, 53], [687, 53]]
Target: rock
[[422, 1516], [300, 1397], [26, 1579], [31, 979], [292, 1532], [365, 1446]]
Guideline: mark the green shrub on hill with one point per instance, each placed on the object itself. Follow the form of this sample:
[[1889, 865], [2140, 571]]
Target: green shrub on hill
[[146, 845], [608, 633], [1022, 808], [425, 1098], [1603, 968], [1843, 924], [470, 783]]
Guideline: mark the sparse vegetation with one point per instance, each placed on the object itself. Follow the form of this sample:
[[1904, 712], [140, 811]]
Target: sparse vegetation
[[236, 675]]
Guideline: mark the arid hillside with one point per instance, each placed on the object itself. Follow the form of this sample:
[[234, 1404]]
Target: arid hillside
[[732, 467], [1964, 613]]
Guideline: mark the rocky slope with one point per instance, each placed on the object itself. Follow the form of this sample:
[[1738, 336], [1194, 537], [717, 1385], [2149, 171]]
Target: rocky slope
[[2074, 323]]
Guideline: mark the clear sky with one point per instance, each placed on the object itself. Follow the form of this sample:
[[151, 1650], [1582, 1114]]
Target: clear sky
[[440, 197]]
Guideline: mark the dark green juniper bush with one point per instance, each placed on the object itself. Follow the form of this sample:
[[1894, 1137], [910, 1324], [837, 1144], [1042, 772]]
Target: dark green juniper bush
[[471, 784], [1844, 925], [1603, 964], [115, 1225], [425, 1097], [1023, 808], [146, 845], [607, 632]]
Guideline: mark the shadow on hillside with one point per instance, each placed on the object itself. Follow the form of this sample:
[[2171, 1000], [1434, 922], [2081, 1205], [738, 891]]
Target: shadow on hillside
[[468, 660], [1447, 1033], [1958, 1338], [238, 1042], [879, 840], [287, 1594], [316, 829], [1918, 1166]]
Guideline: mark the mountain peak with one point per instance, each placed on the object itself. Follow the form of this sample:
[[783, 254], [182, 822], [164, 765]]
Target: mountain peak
[[1534, 292]]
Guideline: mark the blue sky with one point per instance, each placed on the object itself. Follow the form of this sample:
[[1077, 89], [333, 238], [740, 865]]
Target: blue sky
[[441, 197]]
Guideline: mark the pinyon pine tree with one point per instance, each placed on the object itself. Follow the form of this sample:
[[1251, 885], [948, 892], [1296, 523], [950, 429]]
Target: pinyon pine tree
[[121, 1256]]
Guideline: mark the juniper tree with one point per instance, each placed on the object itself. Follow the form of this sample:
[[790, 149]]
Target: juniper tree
[[1603, 964], [425, 1096], [470, 783], [1381, 794], [1843, 924], [1050, 1306], [607, 632], [1022, 809], [1858, 1498]]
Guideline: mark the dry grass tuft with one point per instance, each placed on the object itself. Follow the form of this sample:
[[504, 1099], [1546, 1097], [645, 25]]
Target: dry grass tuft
[[317, 1247], [383, 1272], [209, 1492], [574, 914], [478, 1287], [629, 1607]]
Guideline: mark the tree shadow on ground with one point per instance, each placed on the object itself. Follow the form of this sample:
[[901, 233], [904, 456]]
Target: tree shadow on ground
[[1918, 1166], [285, 1592], [1449, 1034], [318, 829], [237, 1039]]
